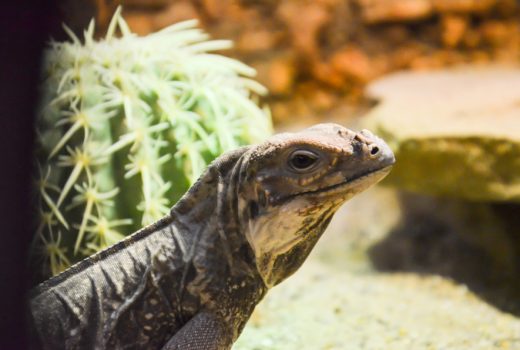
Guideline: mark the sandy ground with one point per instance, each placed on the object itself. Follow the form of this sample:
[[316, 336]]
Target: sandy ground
[[338, 301]]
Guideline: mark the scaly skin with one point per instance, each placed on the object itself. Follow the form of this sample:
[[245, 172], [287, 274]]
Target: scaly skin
[[192, 280]]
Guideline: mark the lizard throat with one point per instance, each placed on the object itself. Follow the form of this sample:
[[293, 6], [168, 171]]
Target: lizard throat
[[295, 222]]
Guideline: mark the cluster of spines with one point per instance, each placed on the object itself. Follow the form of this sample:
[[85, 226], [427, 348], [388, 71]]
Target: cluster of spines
[[127, 124]]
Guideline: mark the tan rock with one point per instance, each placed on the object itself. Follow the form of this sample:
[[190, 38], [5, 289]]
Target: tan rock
[[325, 73], [506, 7], [256, 39], [472, 38], [304, 21], [277, 74], [281, 74], [453, 28], [402, 57], [426, 61], [354, 64], [139, 23], [495, 33], [146, 3], [455, 132], [176, 12], [319, 99], [375, 11], [215, 8], [463, 6]]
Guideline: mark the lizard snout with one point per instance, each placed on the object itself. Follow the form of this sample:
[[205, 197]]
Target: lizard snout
[[375, 149]]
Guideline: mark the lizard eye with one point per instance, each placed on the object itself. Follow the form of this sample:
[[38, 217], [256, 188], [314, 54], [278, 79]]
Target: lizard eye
[[302, 160]]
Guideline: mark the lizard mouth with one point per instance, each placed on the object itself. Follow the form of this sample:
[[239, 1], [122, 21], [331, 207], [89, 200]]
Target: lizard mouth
[[362, 181], [349, 186]]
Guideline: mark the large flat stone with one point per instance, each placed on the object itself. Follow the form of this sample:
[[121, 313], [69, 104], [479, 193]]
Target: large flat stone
[[455, 132]]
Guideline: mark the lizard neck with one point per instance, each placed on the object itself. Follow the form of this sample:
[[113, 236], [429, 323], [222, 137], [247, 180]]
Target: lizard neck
[[208, 216], [221, 263]]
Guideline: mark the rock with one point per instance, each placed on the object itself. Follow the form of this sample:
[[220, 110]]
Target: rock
[[474, 243], [304, 22], [463, 6], [175, 12], [403, 57], [472, 39], [455, 132], [139, 23], [277, 74], [495, 33], [375, 11], [324, 73], [147, 3], [256, 40], [506, 7], [319, 99], [214, 8], [439, 59], [281, 75], [453, 29], [354, 64], [338, 301]]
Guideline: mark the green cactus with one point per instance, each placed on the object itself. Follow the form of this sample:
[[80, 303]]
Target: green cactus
[[127, 124]]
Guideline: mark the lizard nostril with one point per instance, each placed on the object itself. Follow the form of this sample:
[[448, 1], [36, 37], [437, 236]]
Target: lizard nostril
[[374, 150]]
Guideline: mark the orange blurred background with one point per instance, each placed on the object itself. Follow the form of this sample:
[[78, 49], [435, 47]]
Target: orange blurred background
[[316, 56]]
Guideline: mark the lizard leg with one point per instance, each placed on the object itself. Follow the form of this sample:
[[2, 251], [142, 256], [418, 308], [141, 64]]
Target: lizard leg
[[203, 332]]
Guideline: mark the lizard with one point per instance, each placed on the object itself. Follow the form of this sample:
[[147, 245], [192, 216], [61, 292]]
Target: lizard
[[192, 279]]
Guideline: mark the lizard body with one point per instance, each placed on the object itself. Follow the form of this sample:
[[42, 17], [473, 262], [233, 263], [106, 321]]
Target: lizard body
[[192, 279]]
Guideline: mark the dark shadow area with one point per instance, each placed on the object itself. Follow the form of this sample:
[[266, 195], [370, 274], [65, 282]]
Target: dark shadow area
[[475, 244], [24, 29]]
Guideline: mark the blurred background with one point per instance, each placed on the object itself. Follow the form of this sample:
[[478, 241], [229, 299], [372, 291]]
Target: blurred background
[[431, 259], [316, 57]]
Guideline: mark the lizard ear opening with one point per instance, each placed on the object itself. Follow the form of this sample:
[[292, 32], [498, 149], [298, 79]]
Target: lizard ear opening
[[253, 209]]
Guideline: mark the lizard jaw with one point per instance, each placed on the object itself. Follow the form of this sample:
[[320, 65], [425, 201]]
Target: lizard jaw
[[357, 184], [350, 187], [268, 247]]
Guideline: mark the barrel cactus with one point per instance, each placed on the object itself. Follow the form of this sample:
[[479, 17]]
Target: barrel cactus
[[127, 123]]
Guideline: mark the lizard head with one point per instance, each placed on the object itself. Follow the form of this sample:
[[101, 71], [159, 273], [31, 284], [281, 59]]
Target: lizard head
[[292, 184]]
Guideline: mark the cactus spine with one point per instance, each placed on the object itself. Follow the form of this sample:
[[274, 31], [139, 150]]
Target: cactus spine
[[127, 124]]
